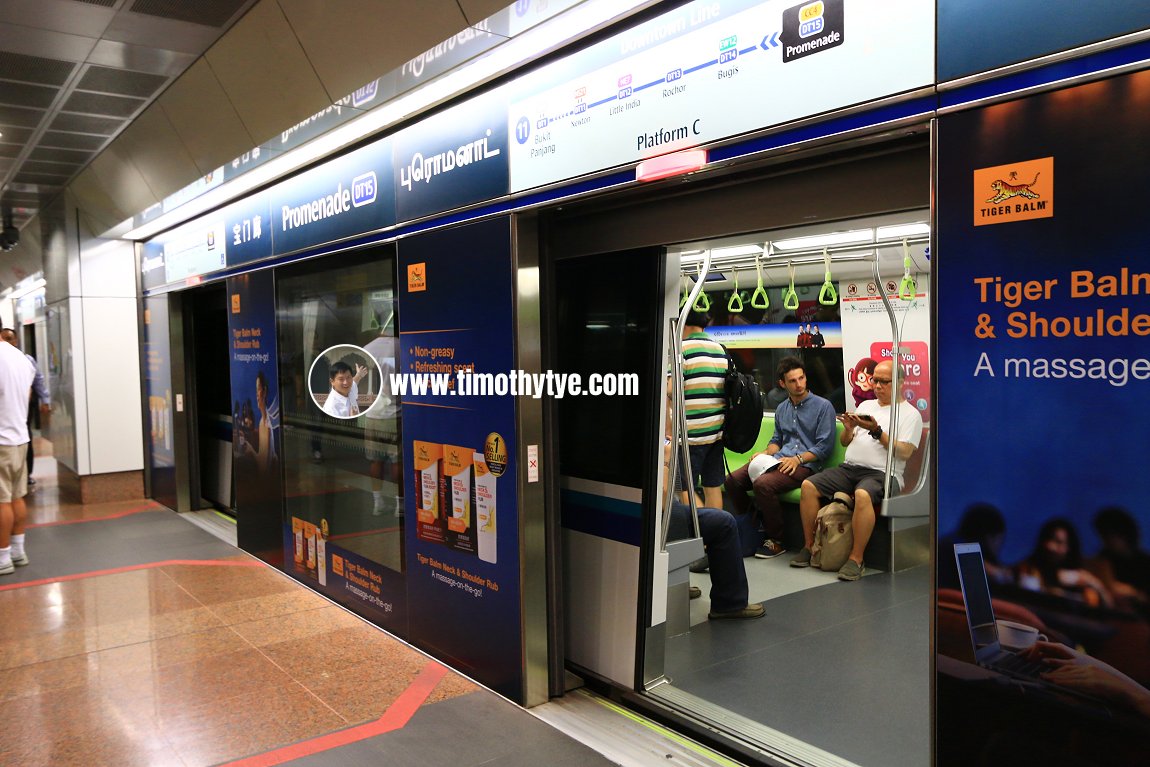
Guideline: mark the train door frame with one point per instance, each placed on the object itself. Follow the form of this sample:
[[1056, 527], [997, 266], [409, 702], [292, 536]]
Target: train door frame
[[678, 211]]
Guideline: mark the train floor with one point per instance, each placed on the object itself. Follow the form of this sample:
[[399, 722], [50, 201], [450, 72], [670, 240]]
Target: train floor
[[134, 637], [840, 667]]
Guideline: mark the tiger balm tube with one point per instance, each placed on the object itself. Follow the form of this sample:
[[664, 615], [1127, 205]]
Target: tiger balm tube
[[484, 507]]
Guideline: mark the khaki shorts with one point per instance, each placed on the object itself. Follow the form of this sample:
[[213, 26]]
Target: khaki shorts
[[13, 472]]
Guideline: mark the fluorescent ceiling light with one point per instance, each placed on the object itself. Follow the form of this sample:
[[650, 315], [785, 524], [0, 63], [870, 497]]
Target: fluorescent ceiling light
[[898, 231], [22, 290], [589, 16], [825, 240], [737, 250]]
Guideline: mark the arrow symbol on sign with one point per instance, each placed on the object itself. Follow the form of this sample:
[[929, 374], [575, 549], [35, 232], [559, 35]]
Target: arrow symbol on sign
[[770, 42]]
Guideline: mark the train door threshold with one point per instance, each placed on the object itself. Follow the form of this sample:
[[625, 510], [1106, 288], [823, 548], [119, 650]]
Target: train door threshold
[[624, 736], [215, 522]]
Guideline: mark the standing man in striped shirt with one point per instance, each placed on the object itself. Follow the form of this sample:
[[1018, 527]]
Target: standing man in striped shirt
[[704, 375]]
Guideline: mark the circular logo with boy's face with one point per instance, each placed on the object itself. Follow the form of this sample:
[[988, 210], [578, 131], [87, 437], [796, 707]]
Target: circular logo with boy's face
[[495, 454]]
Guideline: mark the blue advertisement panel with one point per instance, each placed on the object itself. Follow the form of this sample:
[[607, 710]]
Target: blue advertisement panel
[[977, 35], [256, 435], [1044, 375], [349, 195], [158, 389], [454, 158], [460, 484]]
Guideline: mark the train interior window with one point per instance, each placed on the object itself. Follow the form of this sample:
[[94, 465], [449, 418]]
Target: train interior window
[[826, 646], [338, 329]]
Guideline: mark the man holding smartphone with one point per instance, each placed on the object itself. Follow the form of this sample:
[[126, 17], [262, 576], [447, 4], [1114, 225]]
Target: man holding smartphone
[[863, 469]]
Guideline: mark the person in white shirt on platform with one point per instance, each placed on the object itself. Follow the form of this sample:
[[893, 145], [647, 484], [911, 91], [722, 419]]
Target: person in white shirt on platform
[[16, 376], [863, 469], [343, 399]]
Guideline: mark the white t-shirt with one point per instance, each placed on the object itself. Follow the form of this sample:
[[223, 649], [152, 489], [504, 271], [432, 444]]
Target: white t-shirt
[[16, 375], [340, 406], [383, 348], [864, 450]]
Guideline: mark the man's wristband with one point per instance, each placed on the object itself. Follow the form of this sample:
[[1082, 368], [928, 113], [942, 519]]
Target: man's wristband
[[876, 432]]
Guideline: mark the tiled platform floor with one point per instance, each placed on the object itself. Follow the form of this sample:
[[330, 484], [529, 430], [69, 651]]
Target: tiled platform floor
[[136, 638]]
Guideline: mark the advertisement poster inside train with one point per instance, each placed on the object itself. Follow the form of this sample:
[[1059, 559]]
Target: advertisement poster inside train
[[462, 532], [1044, 377], [867, 336], [257, 431]]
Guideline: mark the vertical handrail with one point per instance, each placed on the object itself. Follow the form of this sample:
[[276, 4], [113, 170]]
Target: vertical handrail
[[895, 383], [679, 414]]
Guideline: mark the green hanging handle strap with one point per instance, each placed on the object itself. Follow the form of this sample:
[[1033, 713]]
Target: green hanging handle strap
[[760, 294], [702, 301], [906, 288], [790, 297], [686, 291], [735, 305], [827, 296]]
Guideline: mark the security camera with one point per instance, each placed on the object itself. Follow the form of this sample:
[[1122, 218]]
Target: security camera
[[9, 237]]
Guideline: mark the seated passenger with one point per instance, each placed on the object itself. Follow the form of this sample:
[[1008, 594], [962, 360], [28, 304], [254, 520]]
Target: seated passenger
[[1055, 566], [720, 536], [1121, 563], [863, 469], [803, 439]]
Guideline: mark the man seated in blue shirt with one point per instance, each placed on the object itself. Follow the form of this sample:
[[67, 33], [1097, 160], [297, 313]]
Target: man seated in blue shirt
[[803, 439], [729, 590]]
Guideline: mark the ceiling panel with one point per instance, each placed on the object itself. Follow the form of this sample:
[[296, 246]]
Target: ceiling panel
[[213, 13], [368, 38], [24, 95], [149, 30], [158, 153], [71, 140], [102, 104], [121, 82], [34, 69], [15, 135], [140, 58], [85, 19], [265, 73], [60, 155], [21, 118], [39, 180], [201, 114], [103, 126], [30, 41], [10, 150], [53, 168]]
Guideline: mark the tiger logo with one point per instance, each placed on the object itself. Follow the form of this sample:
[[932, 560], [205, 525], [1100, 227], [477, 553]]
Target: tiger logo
[[1004, 191]]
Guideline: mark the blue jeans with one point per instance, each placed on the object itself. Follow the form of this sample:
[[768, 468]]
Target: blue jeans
[[721, 539]]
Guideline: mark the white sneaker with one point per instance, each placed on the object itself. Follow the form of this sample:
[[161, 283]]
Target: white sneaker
[[21, 560], [7, 568]]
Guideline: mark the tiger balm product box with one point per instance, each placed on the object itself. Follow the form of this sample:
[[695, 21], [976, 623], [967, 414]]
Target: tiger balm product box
[[459, 475], [429, 491]]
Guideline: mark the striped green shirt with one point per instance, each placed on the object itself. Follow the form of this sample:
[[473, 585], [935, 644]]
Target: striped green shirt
[[704, 373]]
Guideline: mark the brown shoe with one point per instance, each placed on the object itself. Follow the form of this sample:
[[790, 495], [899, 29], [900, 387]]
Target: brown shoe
[[695, 592], [750, 611]]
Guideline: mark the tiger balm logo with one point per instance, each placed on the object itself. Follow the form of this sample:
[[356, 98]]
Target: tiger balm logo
[[1012, 198]]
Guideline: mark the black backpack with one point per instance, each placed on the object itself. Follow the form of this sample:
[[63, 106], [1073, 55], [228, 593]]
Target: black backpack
[[744, 417]]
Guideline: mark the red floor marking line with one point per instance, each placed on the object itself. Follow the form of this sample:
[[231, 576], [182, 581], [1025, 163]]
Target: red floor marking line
[[396, 717], [142, 509], [130, 568]]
